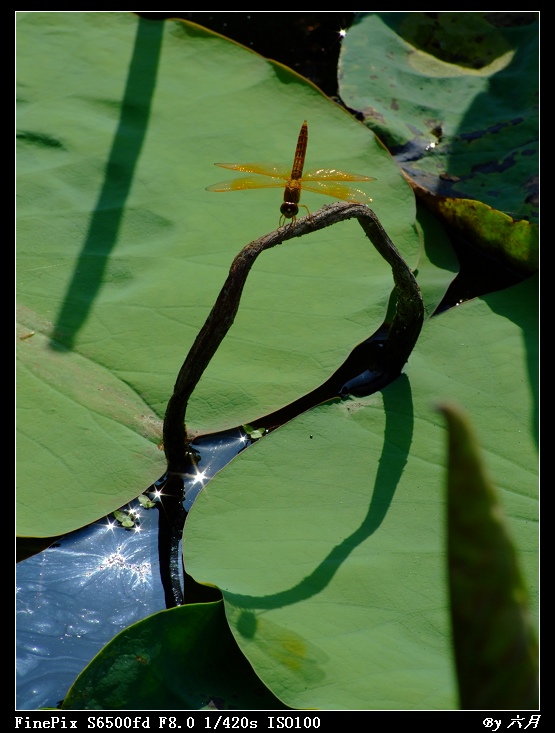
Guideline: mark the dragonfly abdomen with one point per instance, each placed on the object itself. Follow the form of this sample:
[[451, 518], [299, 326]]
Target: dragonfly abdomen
[[300, 153]]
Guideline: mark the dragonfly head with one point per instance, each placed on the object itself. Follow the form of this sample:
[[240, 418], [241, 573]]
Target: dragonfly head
[[289, 210]]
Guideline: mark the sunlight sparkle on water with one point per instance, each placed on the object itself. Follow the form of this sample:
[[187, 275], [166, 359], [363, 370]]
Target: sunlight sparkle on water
[[117, 562], [200, 477]]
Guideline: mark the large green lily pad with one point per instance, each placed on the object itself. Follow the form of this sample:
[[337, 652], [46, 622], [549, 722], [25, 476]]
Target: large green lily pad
[[328, 537], [121, 251]]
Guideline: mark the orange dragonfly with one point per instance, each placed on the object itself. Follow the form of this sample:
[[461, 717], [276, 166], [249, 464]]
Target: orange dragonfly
[[327, 181]]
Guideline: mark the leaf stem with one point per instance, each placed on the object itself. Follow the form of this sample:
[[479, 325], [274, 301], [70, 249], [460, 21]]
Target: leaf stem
[[388, 359]]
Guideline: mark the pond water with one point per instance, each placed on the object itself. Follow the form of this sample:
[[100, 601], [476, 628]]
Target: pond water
[[75, 596]]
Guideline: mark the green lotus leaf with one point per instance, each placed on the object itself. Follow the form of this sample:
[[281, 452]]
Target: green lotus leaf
[[121, 251], [327, 537]]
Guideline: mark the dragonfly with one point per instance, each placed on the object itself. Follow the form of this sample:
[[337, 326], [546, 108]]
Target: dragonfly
[[327, 181]]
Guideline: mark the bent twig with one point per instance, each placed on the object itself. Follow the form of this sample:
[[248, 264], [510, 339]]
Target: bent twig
[[389, 358]]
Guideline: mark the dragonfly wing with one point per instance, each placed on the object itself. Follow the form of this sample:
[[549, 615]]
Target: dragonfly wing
[[263, 169], [337, 191], [240, 184], [332, 174]]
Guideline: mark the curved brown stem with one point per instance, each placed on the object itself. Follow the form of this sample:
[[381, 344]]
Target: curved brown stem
[[389, 359]]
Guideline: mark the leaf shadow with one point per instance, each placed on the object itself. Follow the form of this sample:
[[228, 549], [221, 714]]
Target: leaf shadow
[[522, 308], [106, 219], [398, 435]]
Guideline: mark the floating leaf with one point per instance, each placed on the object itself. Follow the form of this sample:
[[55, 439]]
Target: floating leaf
[[181, 659], [121, 251]]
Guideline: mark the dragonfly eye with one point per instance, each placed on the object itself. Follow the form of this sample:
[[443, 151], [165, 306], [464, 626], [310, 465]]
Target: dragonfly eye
[[289, 210]]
